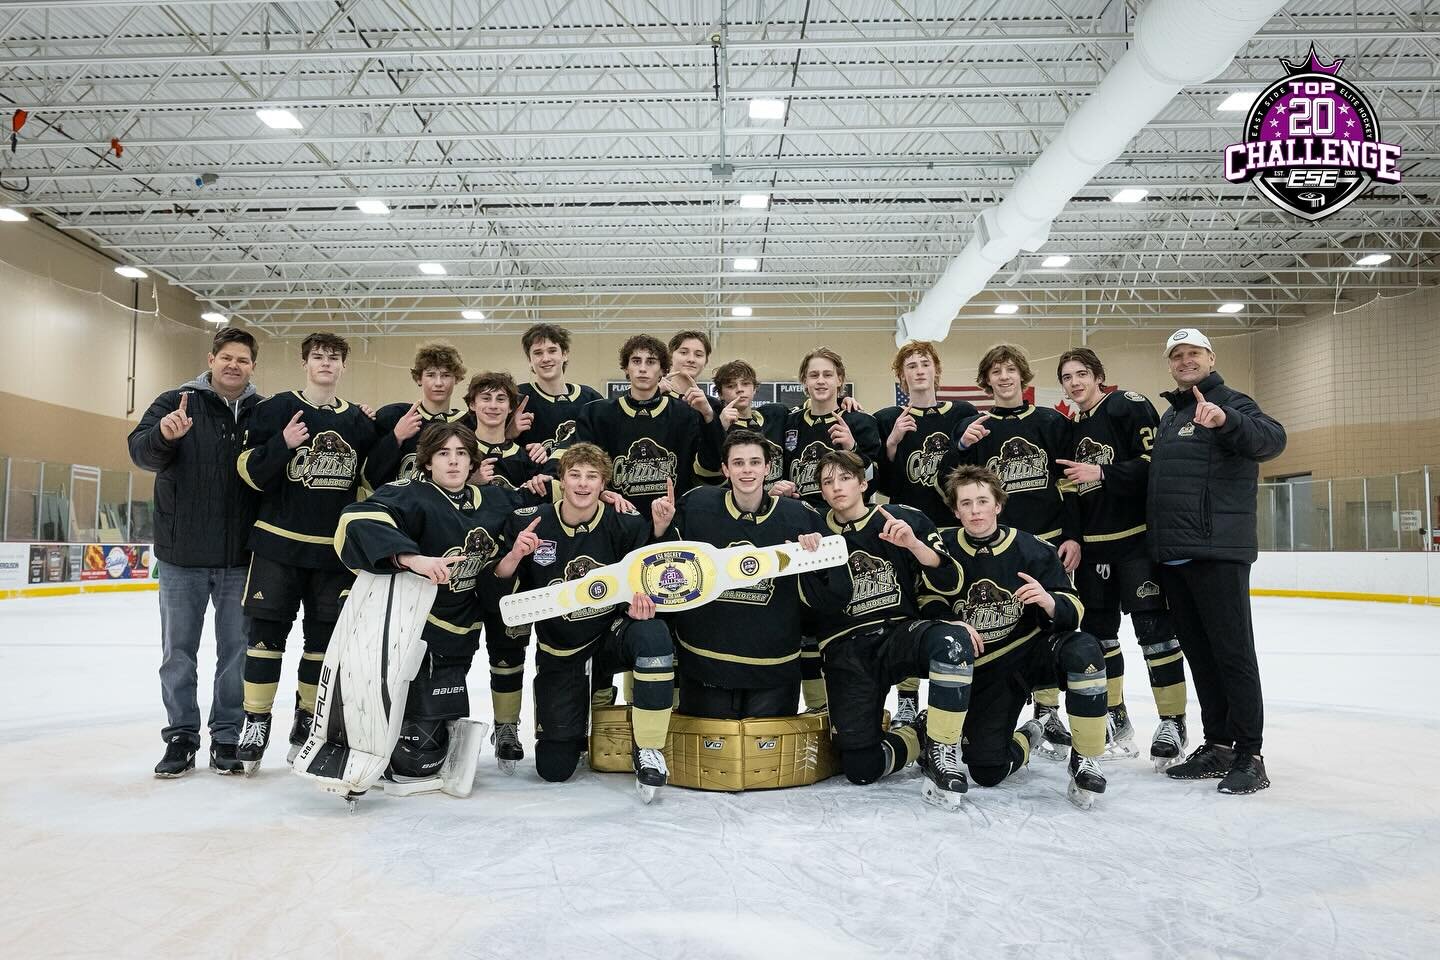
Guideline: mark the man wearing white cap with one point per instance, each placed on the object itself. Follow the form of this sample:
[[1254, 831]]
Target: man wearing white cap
[[1200, 508]]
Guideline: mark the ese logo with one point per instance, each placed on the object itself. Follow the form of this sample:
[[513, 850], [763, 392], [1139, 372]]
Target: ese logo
[[1312, 142]]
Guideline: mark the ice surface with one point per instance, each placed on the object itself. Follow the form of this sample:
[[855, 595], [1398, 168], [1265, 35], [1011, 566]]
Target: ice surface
[[1341, 858]]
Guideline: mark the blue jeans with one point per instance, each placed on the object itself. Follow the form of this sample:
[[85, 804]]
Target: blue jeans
[[184, 594]]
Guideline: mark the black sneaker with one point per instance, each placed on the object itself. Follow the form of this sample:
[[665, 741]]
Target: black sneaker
[[1247, 775], [179, 758], [1209, 761], [223, 760]]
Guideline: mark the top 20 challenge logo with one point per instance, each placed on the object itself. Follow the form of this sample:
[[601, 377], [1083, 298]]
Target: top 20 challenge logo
[[1312, 142]]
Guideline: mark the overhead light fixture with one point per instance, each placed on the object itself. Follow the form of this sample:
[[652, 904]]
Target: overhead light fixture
[[212, 317], [1058, 260], [12, 216], [1007, 308], [746, 263], [755, 201], [1239, 101], [1230, 308], [740, 311], [1372, 260], [766, 109], [433, 269], [376, 207], [473, 314], [279, 119], [134, 273], [1129, 195]]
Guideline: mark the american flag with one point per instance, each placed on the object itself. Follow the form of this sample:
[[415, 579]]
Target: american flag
[[981, 400]]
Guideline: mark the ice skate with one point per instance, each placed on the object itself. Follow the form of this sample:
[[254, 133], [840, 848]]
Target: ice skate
[[299, 733], [1086, 781], [179, 759], [1246, 776], [457, 773], [254, 738], [907, 708], [398, 785], [1055, 742], [945, 783], [1119, 735], [1209, 761], [508, 752], [651, 773], [1168, 744], [1034, 733]]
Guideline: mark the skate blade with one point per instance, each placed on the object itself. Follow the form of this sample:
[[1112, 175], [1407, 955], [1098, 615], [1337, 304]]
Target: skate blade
[[1161, 764], [1051, 751], [647, 792], [1084, 799], [1123, 750], [409, 788], [352, 802], [251, 767], [944, 799], [507, 767], [292, 753]]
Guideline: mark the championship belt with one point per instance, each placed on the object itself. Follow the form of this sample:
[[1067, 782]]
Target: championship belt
[[677, 575]]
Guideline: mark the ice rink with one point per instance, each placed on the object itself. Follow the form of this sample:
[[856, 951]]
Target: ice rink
[[1340, 858]]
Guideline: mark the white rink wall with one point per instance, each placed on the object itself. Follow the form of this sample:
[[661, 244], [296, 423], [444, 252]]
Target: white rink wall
[[1405, 577]]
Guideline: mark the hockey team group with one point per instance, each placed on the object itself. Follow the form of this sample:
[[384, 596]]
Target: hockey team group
[[991, 555]]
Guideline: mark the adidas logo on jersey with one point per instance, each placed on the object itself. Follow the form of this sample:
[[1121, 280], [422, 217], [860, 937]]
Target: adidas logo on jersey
[[1092, 669], [258, 595]]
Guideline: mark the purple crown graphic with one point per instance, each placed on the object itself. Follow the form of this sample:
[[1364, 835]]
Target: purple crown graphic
[[1313, 64]]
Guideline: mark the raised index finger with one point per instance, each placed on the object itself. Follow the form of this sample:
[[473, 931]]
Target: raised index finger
[[1199, 397], [298, 415], [1027, 578], [523, 400], [184, 399], [669, 489], [533, 524]]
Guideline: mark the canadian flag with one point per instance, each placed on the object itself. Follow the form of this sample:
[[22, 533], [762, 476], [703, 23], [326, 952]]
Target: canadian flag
[[1070, 410]]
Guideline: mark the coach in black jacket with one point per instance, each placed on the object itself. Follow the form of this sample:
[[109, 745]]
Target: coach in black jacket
[[190, 438], [1201, 513]]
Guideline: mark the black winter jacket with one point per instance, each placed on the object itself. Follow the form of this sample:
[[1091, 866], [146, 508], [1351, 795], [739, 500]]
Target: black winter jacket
[[1200, 502], [203, 511]]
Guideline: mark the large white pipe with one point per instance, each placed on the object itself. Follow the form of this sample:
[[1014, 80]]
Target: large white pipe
[[1177, 43]]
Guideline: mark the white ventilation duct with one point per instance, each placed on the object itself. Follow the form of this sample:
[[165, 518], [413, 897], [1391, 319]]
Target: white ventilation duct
[[1177, 43]]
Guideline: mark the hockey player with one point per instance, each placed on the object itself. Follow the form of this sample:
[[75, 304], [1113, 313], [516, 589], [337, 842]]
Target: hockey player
[[735, 383], [689, 352], [304, 451], [1018, 596], [648, 434], [555, 542], [491, 398], [441, 527], [1109, 466], [436, 370], [917, 437], [1018, 442], [872, 636], [820, 425], [550, 405], [740, 654]]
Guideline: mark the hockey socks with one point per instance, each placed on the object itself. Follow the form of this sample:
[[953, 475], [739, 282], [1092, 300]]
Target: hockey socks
[[812, 680], [1163, 660], [265, 649]]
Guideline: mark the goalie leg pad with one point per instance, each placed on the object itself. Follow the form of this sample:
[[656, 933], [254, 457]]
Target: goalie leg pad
[[374, 652]]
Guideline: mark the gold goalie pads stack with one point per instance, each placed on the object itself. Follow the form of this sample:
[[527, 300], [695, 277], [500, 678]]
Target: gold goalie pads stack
[[707, 754]]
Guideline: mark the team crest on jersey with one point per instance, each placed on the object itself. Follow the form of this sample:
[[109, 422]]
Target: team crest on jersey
[[923, 466], [1186, 431], [1021, 466], [792, 440], [479, 550], [1090, 450], [574, 570], [327, 462], [1147, 589], [527, 511], [991, 609], [758, 592], [407, 468], [804, 472], [563, 435], [875, 584], [643, 469], [544, 554], [1132, 395]]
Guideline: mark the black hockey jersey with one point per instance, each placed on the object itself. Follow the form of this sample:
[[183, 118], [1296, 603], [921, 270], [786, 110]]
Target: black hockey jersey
[[650, 441], [513, 465], [990, 575], [766, 419], [389, 459], [302, 491], [416, 516], [912, 478], [882, 583], [1021, 450], [807, 439], [748, 637], [554, 423], [569, 553], [1117, 433]]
